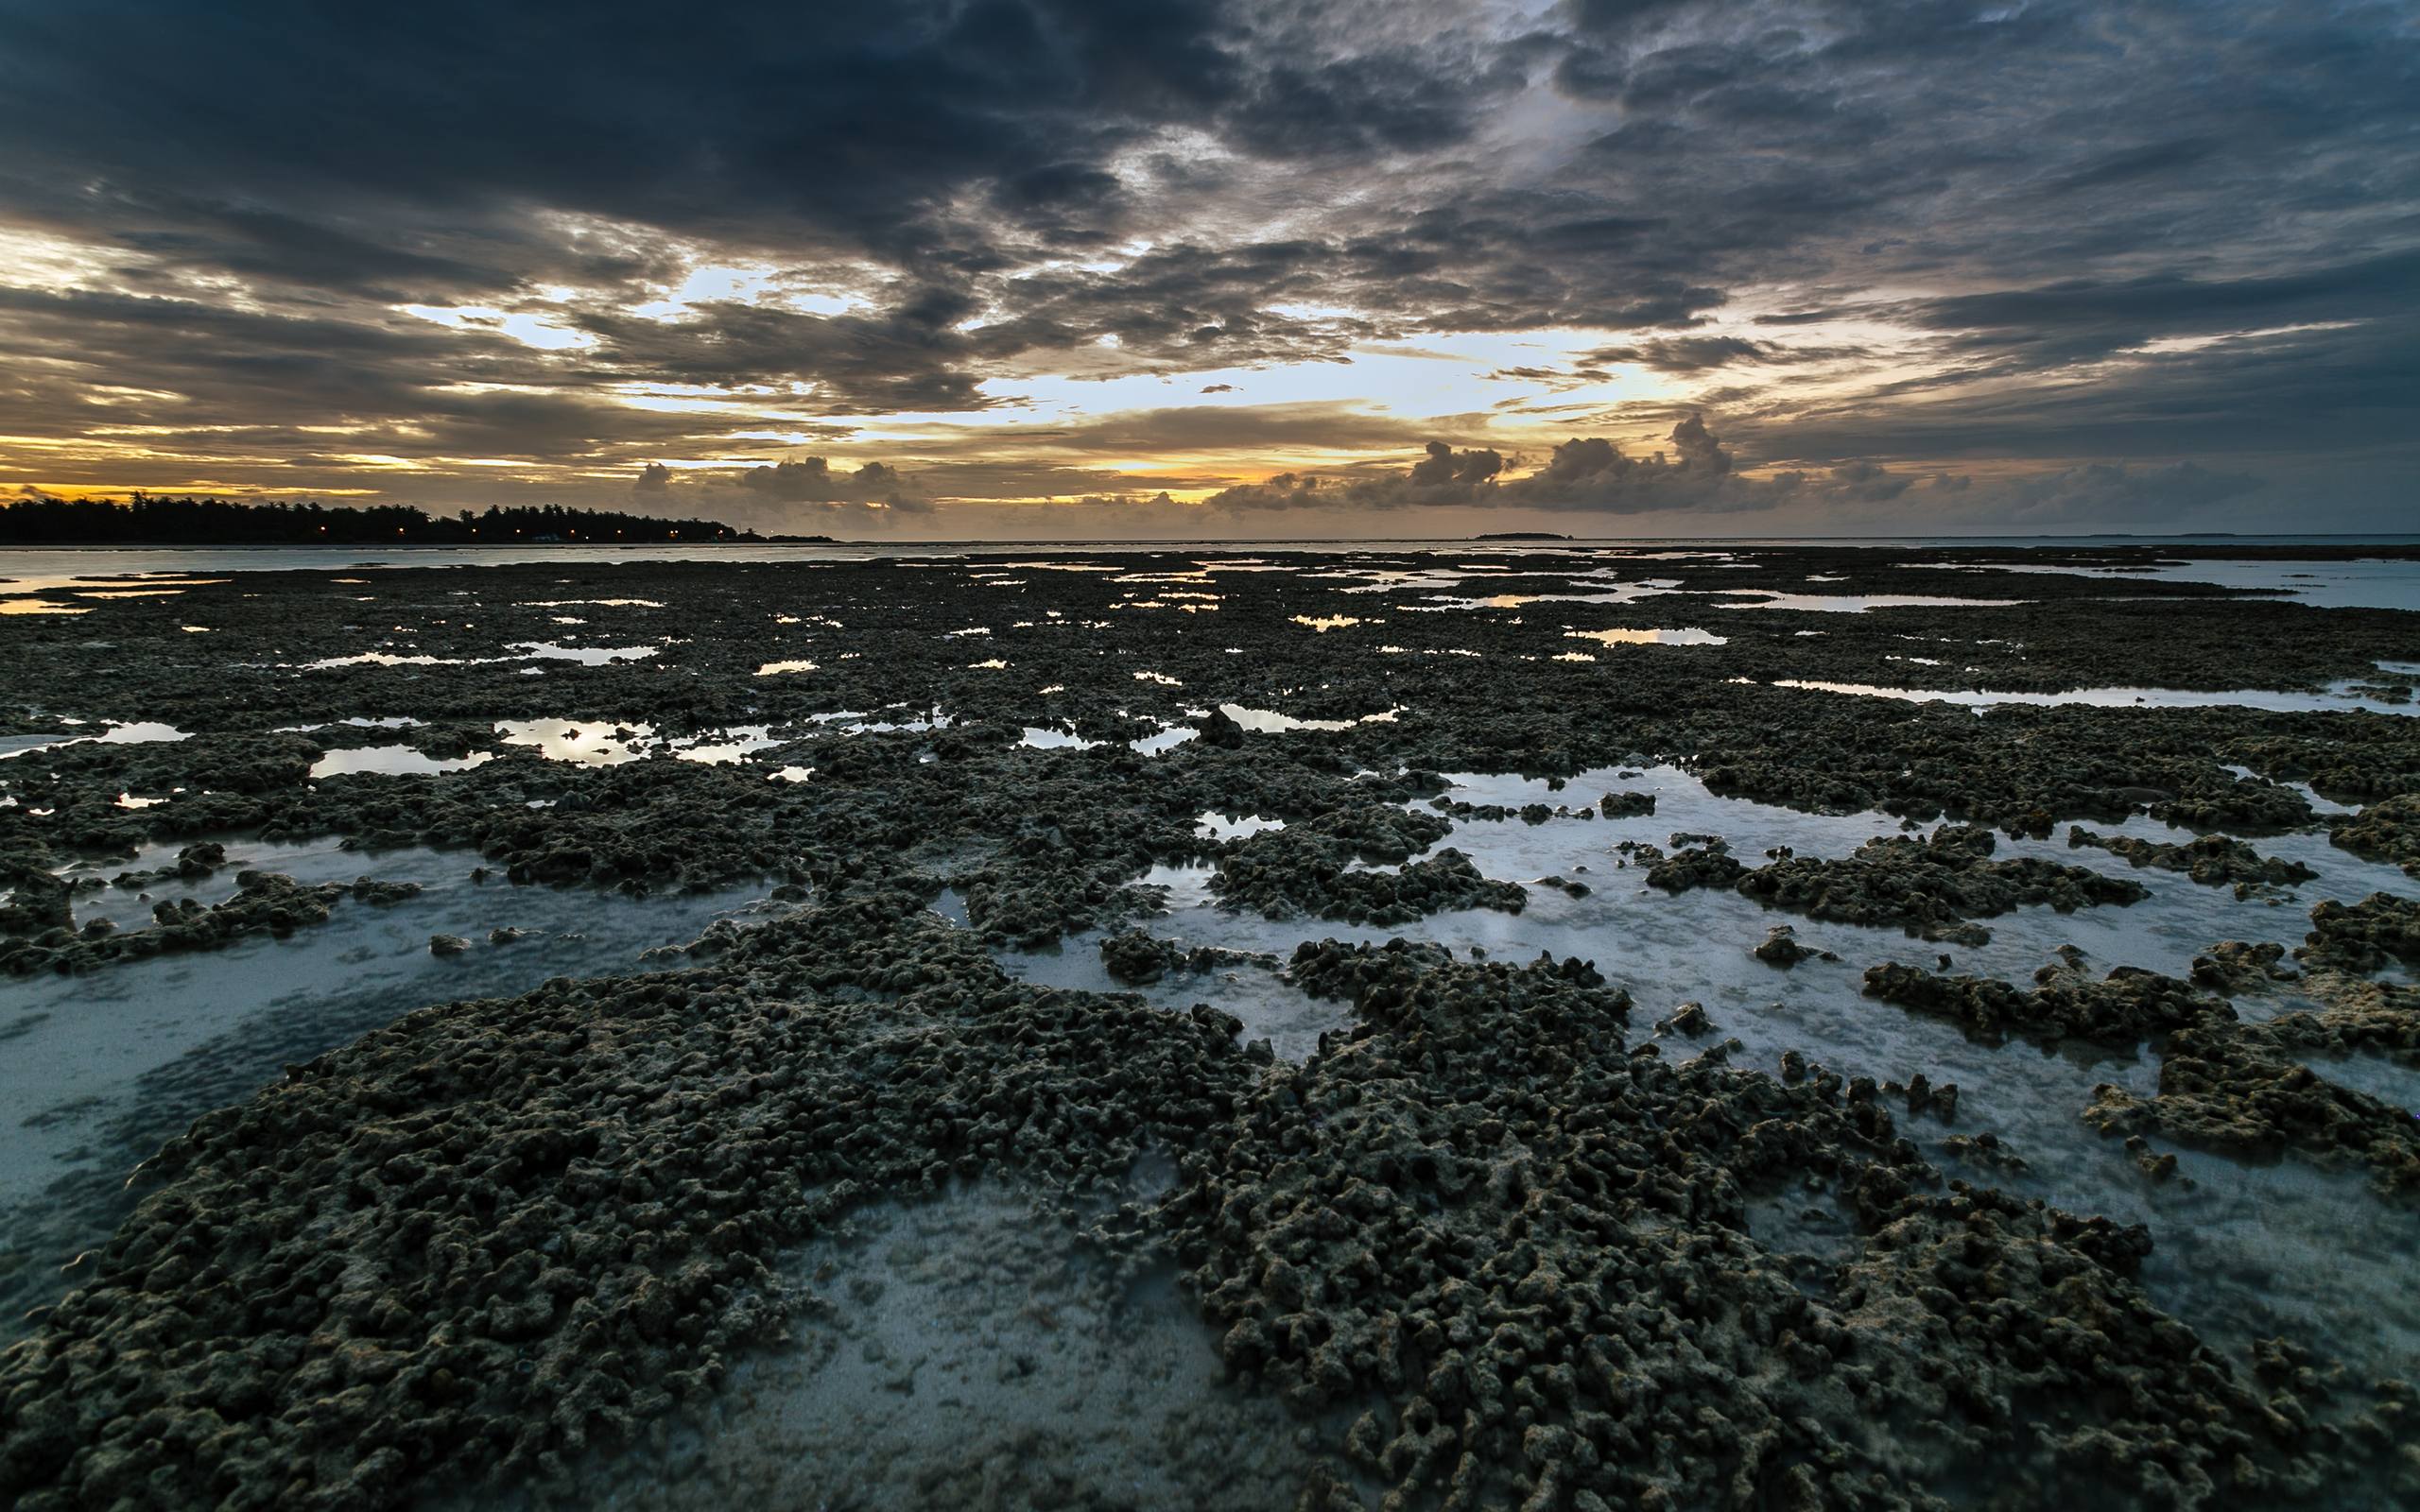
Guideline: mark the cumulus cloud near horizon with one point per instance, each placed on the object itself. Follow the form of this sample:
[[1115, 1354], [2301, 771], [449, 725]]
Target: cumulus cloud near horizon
[[813, 480], [1699, 474], [1582, 473]]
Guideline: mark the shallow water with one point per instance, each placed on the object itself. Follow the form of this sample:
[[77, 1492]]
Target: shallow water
[[2243, 1247], [1270, 722], [1862, 603], [2373, 584], [102, 1068], [395, 761], [969, 1350], [2338, 696], [582, 742], [131, 733], [724, 747], [1270, 1007], [1691, 636]]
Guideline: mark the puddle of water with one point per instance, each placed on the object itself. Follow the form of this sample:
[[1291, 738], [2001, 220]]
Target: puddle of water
[[1270, 722], [1691, 636], [395, 761], [588, 656], [2337, 698], [585, 743], [1603, 585], [380, 658], [726, 747], [1217, 826], [856, 722], [132, 733], [1862, 603], [356, 722], [1041, 739], [1166, 740], [594, 656]]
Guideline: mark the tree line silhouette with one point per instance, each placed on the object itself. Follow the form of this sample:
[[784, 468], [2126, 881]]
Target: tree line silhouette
[[41, 521]]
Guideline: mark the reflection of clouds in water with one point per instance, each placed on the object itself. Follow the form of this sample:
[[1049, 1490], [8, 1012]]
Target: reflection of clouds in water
[[585, 743], [1270, 722], [394, 761], [2373, 584], [1691, 636], [133, 733], [2339, 696]]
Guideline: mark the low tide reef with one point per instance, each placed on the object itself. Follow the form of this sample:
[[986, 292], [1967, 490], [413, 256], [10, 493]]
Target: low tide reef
[[1505, 1238]]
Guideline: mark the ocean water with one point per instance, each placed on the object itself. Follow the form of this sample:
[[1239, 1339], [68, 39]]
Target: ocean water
[[68, 571]]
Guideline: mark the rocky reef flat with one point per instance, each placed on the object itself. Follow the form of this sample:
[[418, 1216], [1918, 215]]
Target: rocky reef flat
[[1523, 1025]]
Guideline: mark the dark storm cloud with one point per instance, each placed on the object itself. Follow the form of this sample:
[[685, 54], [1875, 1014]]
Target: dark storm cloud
[[1697, 354], [854, 120], [2094, 316], [907, 357], [1356, 107], [2334, 398]]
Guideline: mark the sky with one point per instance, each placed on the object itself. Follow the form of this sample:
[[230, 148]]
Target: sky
[[1117, 269]]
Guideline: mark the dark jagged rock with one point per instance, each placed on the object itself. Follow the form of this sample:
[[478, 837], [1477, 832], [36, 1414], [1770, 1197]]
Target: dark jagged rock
[[2388, 830], [2232, 966], [1781, 947], [263, 902], [2212, 860], [2126, 1008], [2243, 1093], [2364, 936], [1711, 865], [1311, 870], [1933, 888]]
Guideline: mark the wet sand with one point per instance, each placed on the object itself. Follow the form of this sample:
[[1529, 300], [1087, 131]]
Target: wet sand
[[1517, 1026]]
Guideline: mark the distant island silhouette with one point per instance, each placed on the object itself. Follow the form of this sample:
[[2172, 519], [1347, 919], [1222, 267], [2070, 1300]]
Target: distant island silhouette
[[195, 520], [1521, 535], [145, 521]]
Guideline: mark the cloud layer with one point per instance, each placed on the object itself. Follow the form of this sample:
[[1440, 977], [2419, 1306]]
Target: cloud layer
[[947, 262]]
